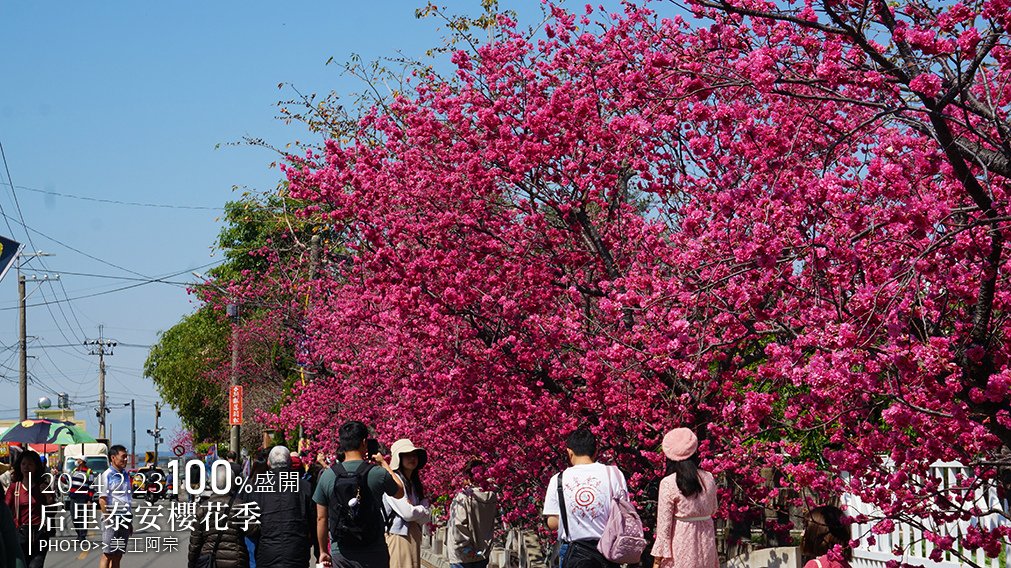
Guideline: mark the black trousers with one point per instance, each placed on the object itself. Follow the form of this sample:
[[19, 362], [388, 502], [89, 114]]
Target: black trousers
[[361, 558], [584, 554]]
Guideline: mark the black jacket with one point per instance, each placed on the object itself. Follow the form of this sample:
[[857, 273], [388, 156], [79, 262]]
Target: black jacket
[[232, 552], [287, 528]]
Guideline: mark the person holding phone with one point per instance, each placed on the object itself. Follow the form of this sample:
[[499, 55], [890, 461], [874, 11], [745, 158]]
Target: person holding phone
[[371, 447], [349, 497]]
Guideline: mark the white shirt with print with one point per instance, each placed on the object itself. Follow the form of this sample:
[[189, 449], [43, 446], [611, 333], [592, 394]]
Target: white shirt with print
[[588, 490]]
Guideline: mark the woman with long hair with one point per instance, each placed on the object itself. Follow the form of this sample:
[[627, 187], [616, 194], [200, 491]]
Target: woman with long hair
[[685, 533], [826, 529], [25, 498], [405, 516]]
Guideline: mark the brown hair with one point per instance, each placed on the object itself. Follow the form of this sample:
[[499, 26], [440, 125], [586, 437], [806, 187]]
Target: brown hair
[[468, 468], [825, 529]]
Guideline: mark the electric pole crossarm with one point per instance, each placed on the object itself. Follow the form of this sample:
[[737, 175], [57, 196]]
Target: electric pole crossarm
[[101, 347], [23, 258]]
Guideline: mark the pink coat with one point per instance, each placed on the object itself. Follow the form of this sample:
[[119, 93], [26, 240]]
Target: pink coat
[[685, 534]]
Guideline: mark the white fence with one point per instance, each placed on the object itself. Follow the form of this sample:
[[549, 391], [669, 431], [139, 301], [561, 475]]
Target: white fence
[[522, 550], [915, 549]]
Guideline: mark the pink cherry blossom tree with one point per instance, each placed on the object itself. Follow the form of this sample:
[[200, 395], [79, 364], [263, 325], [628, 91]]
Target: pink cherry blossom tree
[[781, 226]]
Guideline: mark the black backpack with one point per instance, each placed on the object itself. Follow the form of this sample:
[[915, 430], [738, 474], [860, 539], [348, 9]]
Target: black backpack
[[355, 515]]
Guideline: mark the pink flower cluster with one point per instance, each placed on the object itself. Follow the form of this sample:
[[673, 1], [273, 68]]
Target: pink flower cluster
[[658, 223]]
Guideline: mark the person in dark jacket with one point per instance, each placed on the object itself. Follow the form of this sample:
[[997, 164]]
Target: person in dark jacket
[[287, 526], [228, 544], [10, 550], [257, 467], [312, 474]]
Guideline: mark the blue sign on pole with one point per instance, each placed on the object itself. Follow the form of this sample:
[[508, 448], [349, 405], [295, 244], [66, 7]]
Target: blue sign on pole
[[9, 250]]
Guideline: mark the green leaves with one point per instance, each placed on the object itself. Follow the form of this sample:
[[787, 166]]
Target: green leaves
[[180, 364]]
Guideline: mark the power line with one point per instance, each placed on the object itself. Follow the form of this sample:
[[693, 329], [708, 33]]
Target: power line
[[59, 370], [6, 220], [52, 314], [75, 355], [107, 276], [72, 311], [118, 344], [21, 216], [93, 257], [24, 225], [114, 290], [118, 202], [78, 251], [15, 194]]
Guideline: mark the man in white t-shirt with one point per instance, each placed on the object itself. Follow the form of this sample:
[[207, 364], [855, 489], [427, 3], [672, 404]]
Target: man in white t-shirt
[[115, 499], [588, 487]]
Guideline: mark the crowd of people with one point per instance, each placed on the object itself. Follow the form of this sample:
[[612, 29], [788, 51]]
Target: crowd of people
[[363, 511], [22, 514], [355, 496]]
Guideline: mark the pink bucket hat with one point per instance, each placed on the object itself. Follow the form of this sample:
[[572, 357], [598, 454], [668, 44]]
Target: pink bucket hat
[[680, 444]]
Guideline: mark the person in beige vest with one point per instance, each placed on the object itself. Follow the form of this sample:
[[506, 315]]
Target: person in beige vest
[[472, 516]]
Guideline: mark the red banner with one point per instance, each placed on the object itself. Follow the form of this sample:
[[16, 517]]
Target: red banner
[[235, 405]]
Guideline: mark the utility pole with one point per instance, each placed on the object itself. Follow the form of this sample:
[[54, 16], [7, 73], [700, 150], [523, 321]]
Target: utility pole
[[157, 431], [23, 356], [101, 393], [133, 433], [314, 250], [101, 347], [233, 312], [23, 330]]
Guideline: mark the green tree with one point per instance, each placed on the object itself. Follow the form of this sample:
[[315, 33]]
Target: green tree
[[191, 361], [179, 365]]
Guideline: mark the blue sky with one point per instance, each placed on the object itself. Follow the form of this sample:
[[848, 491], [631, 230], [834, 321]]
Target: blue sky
[[138, 102], [142, 103]]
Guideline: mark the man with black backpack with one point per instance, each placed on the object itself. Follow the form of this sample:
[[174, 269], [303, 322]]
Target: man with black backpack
[[349, 500]]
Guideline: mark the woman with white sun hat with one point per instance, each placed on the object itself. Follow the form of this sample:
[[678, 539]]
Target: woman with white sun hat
[[405, 516]]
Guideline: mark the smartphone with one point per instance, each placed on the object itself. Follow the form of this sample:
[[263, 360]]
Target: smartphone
[[371, 447]]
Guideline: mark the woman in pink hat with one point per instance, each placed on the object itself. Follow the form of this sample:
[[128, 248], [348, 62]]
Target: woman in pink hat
[[685, 534]]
